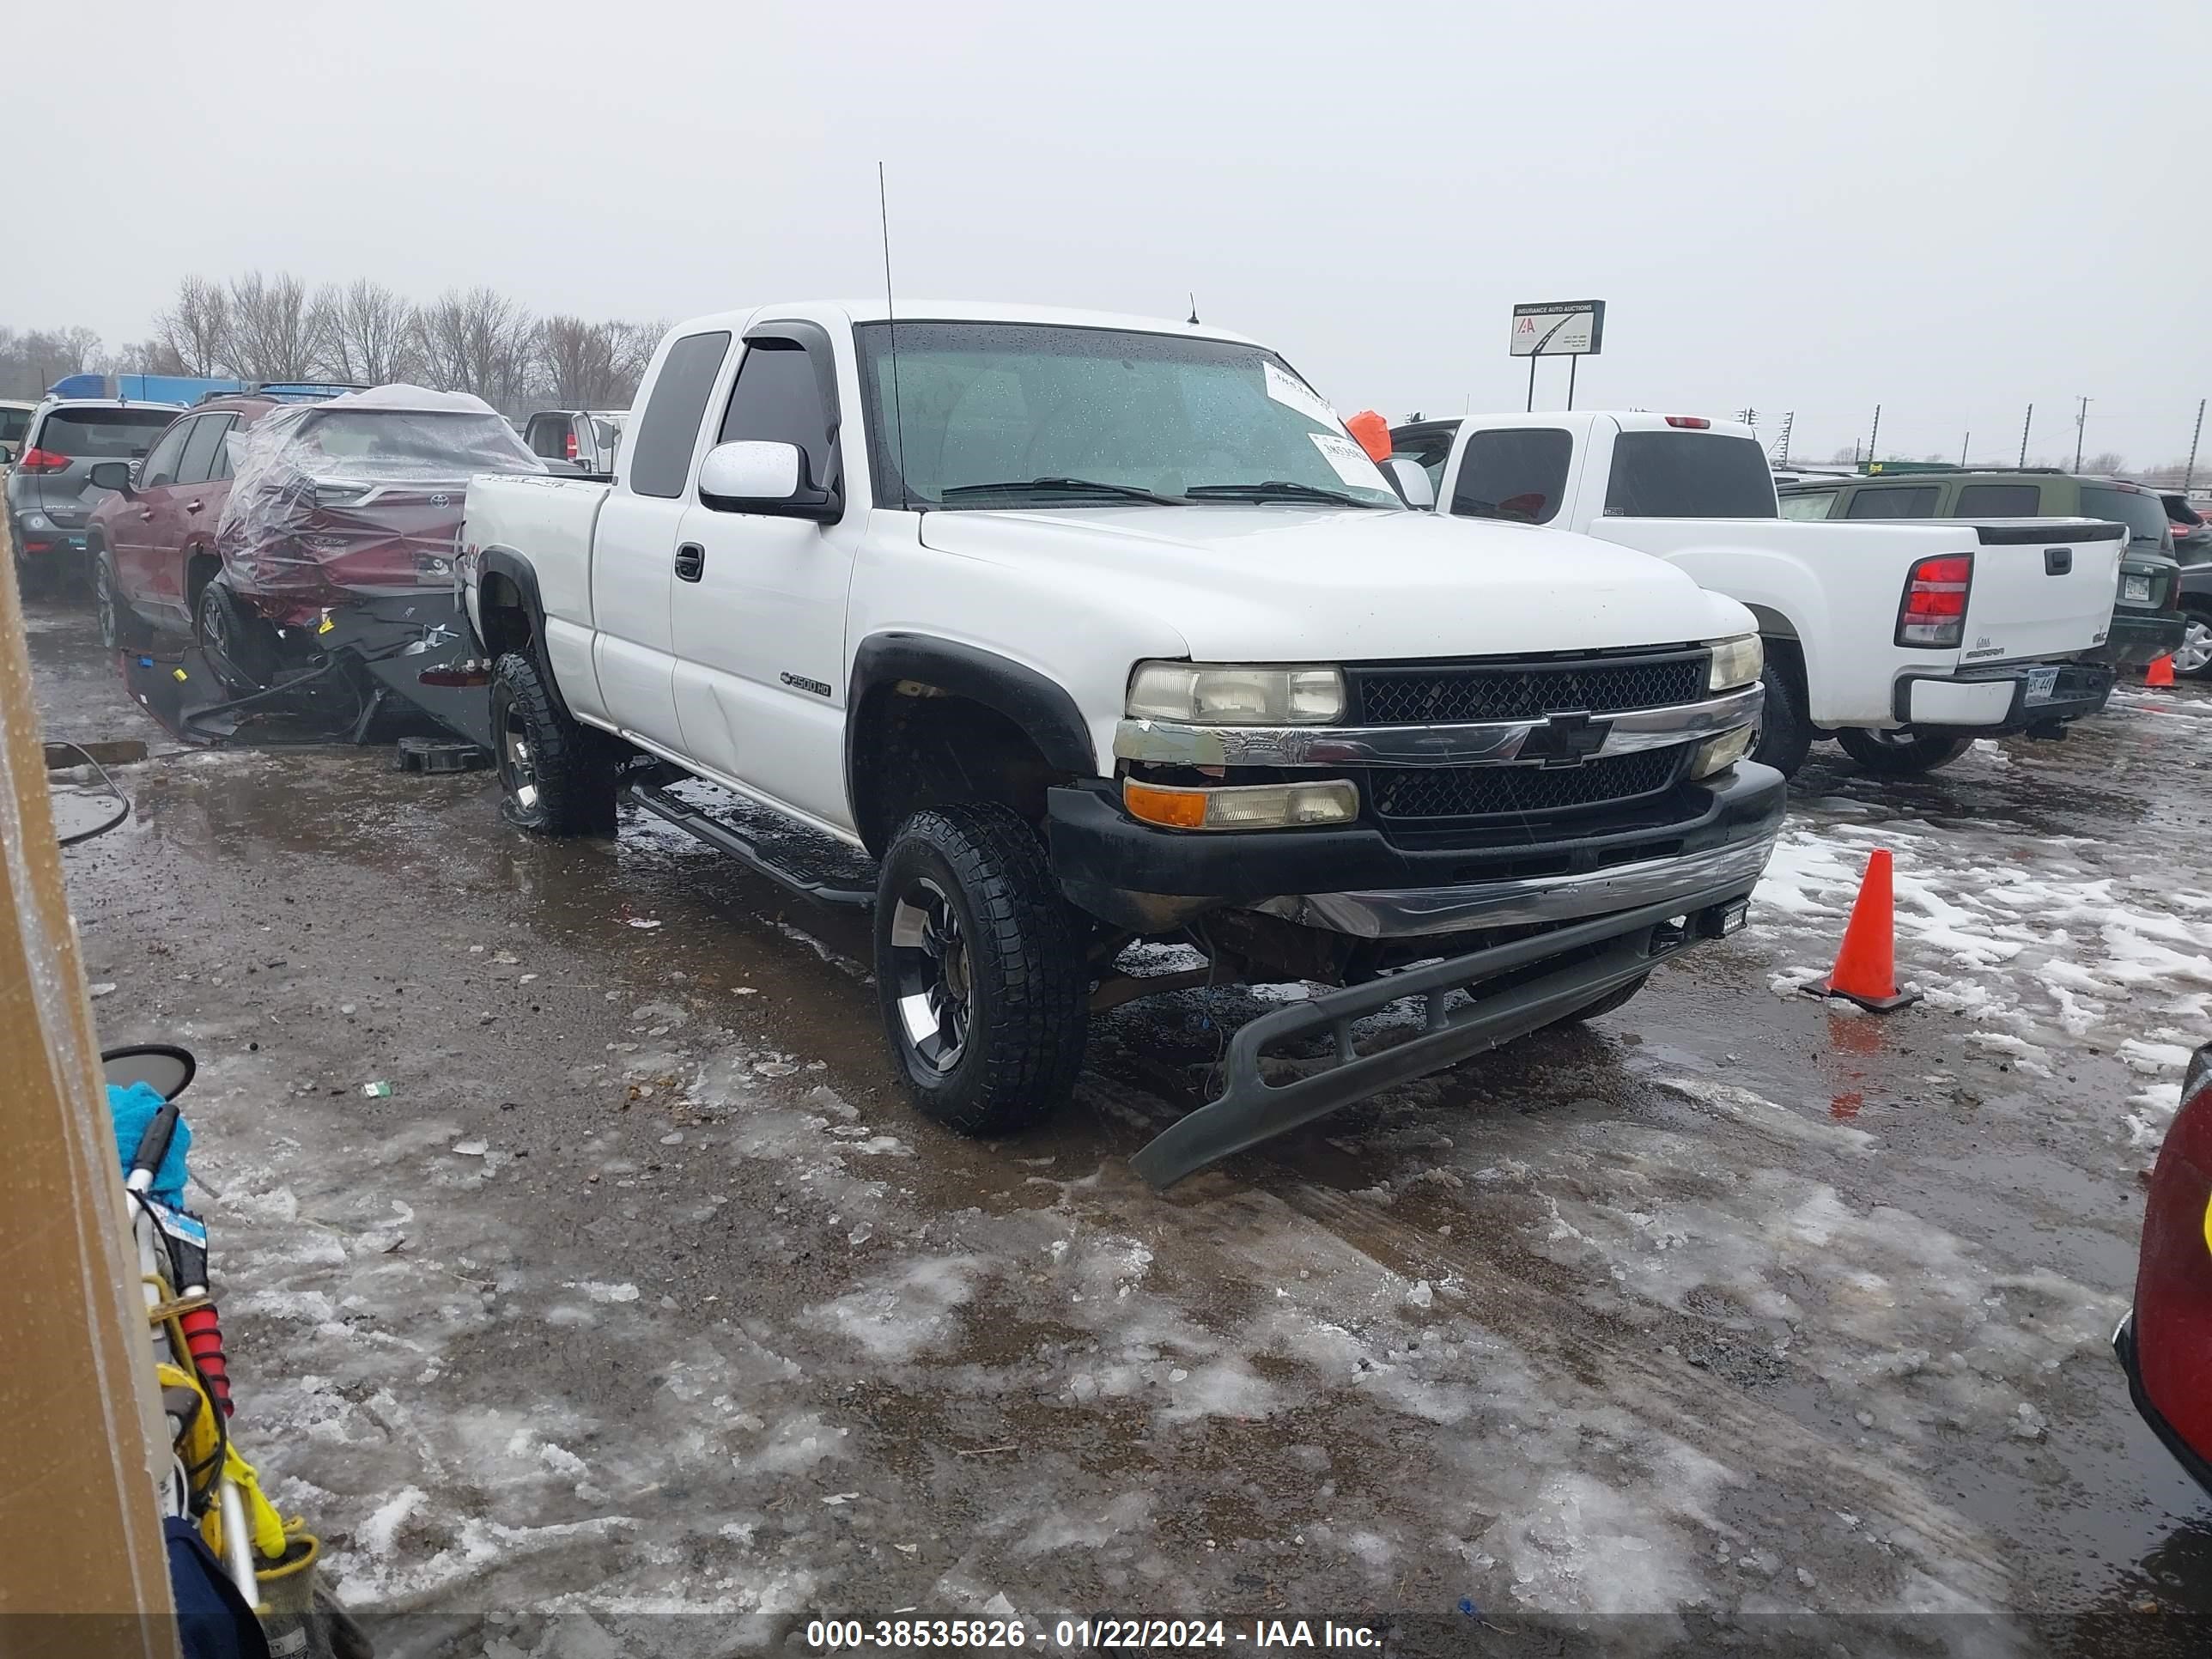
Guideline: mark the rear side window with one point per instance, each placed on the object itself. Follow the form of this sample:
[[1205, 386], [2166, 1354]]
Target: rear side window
[[200, 449], [548, 437], [14, 423], [2001, 500], [1689, 475], [103, 434], [160, 466], [2141, 511], [1807, 503], [660, 456], [1519, 474], [777, 399], [1913, 501]]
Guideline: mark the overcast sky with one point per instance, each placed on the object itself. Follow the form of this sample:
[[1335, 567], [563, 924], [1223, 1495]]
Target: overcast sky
[[1953, 208]]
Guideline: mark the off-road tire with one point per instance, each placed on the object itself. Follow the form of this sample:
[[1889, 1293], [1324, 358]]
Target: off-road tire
[[1785, 735], [1605, 1004], [1898, 756], [1024, 969], [560, 780], [121, 628]]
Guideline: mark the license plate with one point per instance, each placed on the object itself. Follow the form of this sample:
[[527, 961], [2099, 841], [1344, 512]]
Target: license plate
[[2042, 683], [76, 543], [2135, 590]]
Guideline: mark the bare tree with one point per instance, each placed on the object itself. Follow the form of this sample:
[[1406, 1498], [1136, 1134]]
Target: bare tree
[[2112, 461], [478, 341], [197, 328], [577, 360], [364, 332], [32, 362], [270, 335], [153, 356]]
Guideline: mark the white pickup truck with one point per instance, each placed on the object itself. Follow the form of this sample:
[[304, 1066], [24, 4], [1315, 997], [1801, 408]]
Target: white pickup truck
[[1081, 629], [1904, 642]]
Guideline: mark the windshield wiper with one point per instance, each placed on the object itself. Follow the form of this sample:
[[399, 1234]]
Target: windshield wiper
[[1062, 487], [1274, 489]]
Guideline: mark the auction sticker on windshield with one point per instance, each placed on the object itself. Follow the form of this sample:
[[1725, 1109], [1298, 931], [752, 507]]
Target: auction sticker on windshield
[[1348, 460], [1294, 393]]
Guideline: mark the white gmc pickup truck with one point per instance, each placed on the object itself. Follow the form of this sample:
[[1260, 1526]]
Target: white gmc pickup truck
[[1086, 629], [1904, 641]]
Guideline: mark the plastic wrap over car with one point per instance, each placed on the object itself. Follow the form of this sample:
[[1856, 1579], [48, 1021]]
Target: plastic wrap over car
[[355, 497]]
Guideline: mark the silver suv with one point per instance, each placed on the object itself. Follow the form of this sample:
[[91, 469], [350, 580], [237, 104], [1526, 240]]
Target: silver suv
[[49, 490]]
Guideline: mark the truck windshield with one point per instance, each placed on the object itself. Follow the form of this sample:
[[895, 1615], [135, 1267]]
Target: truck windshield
[[1000, 415], [1689, 475]]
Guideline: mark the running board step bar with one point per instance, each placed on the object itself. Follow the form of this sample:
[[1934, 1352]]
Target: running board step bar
[[724, 839], [1611, 950]]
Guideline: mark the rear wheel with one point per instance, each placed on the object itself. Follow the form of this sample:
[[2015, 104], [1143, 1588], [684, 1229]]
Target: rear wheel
[[2192, 657], [121, 628], [1898, 753], [1784, 734], [232, 641], [980, 970], [556, 775]]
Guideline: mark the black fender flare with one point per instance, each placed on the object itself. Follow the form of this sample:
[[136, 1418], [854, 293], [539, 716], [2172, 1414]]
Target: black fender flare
[[1039, 706], [506, 561]]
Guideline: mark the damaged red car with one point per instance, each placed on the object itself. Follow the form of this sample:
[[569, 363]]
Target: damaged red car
[[2164, 1344], [339, 529]]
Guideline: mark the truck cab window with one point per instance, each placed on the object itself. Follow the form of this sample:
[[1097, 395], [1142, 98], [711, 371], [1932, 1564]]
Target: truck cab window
[[778, 399], [660, 458], [1519, 474]]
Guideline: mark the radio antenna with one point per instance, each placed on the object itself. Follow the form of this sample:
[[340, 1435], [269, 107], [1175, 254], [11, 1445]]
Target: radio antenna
[[890, 316], [1193, 312]]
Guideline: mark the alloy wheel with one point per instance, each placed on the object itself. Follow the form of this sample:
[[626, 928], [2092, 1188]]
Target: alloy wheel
[[928, 971], [518, 760], [2196, 647]]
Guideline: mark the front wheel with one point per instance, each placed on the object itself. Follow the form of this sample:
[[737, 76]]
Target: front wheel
[[121, 628], [2192, 657], [1901, 753], [1784, 734], [980, 969], [555, 775]]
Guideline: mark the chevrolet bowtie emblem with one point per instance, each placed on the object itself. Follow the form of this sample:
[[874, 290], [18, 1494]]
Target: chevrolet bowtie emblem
[[1565, 739]]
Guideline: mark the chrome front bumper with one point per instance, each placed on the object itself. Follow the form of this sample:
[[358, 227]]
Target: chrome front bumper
[[1413, 913]]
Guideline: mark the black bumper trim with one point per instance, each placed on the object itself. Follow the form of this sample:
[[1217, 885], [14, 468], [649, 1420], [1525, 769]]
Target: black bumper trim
[[2141, 637], [1097, 847], [2086, 684], [1250, 1109], [2123, 1345]]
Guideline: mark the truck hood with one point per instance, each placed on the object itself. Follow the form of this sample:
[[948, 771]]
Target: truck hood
[[1269, 583]]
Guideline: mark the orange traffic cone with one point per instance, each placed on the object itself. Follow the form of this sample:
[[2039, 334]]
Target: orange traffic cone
[[1865, 967], [2160, 672]]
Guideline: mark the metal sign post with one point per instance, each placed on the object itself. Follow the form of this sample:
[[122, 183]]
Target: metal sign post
[[1573, 329]]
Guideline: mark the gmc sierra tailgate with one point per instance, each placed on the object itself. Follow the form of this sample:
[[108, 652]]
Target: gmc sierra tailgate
[[2041, 587]]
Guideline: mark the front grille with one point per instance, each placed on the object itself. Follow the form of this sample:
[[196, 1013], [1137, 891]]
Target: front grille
[[1469, 791], [1447, 693]]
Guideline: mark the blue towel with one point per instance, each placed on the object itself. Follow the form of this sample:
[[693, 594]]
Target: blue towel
[[133, 1109]]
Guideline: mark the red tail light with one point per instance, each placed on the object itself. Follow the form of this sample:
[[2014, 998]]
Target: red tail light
[[1934, 610], [570, 443], [1689, 423], [41, 460]]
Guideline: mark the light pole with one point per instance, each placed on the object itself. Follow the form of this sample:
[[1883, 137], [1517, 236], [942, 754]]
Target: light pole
[[2081, 424]]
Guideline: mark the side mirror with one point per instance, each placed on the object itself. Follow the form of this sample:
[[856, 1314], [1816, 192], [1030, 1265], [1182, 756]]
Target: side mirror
[[770, 478], [110, 475], [1413, 481]]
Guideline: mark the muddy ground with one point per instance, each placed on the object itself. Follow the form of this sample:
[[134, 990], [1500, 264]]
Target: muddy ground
[[641, 1316]]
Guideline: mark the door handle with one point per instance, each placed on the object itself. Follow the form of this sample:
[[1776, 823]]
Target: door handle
[[194, 506], [2057, 561], [145, 515], [690, 563]]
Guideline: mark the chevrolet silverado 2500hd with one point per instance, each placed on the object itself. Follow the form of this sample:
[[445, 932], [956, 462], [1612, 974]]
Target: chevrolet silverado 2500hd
[[1904, 641], [1089, 629]]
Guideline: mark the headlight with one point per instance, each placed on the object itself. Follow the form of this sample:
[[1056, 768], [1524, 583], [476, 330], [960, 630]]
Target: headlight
[[1243, 806], [1718, 754], [1735, 662], [1235, 696]]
